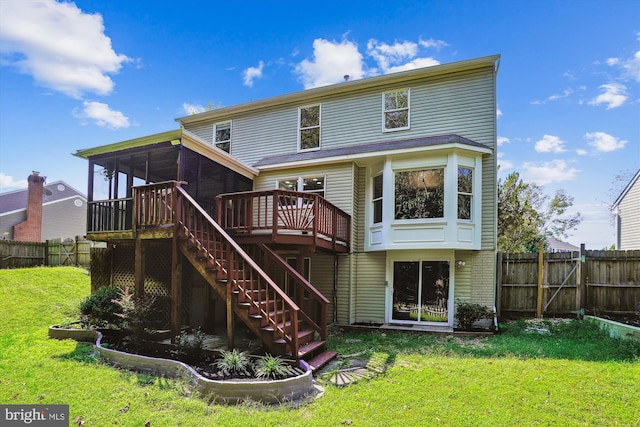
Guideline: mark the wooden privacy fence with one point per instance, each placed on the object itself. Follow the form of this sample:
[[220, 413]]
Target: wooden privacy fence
[[565, 283], [54, 252]]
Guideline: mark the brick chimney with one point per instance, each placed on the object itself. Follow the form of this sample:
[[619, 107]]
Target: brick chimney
[[31, 229]]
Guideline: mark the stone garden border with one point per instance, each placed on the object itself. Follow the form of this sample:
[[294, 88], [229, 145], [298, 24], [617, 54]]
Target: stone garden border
[[615, 329], [228, 391]]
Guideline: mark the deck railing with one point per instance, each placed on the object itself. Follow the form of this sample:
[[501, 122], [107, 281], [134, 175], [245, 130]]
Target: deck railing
[[281, 211], [110, 215]]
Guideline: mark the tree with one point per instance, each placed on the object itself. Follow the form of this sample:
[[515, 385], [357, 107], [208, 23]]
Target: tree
[[526, 215]]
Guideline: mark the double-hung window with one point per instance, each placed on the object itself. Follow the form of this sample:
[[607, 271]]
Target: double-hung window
[[314, 185], [395, 110], [309, 127], [465, 192], [377, 198], [222, 136]]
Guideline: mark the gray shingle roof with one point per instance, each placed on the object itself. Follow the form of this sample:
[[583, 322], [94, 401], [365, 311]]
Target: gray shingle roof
[[369, 148]]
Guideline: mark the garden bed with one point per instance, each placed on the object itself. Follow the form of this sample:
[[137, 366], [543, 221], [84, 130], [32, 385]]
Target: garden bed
[[296, 387], [616, 329]]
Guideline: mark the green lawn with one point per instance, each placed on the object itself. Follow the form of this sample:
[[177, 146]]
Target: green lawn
[[573, 375]]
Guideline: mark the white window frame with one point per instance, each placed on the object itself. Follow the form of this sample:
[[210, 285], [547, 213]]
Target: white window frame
[[385, 111], [318, 126], [375, 199], [215, 134], [470, 194]]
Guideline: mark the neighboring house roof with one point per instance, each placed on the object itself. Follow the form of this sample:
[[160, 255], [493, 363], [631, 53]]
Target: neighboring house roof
[[363, 150], [344, 87], [558, 245], [626, 190], [13, 201]]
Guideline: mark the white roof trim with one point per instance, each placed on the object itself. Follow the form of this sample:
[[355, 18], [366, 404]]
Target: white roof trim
[[626, 190], [197, 144]]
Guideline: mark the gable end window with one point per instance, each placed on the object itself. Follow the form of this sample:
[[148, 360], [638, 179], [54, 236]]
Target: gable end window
[[395, 110], [309, 125], [222, 136]]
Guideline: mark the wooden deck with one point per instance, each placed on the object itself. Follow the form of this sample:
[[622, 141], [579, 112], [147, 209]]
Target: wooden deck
[[255, 217]]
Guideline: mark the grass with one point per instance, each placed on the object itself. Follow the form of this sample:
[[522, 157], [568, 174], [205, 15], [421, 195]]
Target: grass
[[572, 375]]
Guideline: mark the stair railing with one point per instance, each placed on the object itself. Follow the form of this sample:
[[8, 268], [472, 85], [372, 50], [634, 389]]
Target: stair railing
[[242, 273], [313, 303], [167, 203]]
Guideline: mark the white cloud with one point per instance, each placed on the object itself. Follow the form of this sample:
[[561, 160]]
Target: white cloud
[[498, 113], [331, 62], [632, 67], [613, 61], [581, 152], [614, 95], [192, 108], [437, 44], [412, 65], [102, 115], [386, 55], [252, 73], [60, 46], [398, 56], [604, 142], [502, 140], [565, 93], [553, 171], [550, 144], [8, 183], [504, 165]]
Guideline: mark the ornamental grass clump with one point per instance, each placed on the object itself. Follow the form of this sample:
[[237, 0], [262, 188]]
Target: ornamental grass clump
[[233, 363], [271, 367]]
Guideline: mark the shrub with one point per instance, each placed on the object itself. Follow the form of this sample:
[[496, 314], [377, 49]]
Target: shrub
[[137, 312], [271, 367], [99, 309], [190, 347], [467, 314]]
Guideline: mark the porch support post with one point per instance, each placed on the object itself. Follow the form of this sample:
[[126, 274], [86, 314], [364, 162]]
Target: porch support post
[[176, 286], [230, 276]]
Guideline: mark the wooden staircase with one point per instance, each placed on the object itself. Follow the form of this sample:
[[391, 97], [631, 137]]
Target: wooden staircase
[[277, 318]]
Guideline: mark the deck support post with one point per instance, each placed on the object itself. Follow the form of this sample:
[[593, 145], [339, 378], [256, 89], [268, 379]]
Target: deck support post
[[229, 299], [176, 287]]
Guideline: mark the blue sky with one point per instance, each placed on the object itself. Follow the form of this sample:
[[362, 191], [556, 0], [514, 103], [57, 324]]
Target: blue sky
[[81, 74]]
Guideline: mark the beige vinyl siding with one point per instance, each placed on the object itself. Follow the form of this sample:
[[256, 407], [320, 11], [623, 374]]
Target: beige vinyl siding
[[630, 218], [338, 184], [462, 276], [370, 286], [322, 278], [460, 104]]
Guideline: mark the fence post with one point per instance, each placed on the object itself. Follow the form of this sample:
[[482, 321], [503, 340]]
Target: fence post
[[540, 278], [499, 284], [579, 279]]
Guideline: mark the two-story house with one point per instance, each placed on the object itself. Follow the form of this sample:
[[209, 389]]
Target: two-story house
[[367, 201]]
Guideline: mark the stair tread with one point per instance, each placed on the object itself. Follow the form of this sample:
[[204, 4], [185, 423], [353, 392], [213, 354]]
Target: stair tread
[[322, 359], [310, 347], [303, 333]]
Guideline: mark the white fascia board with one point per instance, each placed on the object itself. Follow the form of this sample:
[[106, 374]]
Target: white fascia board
[[197, 144]]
